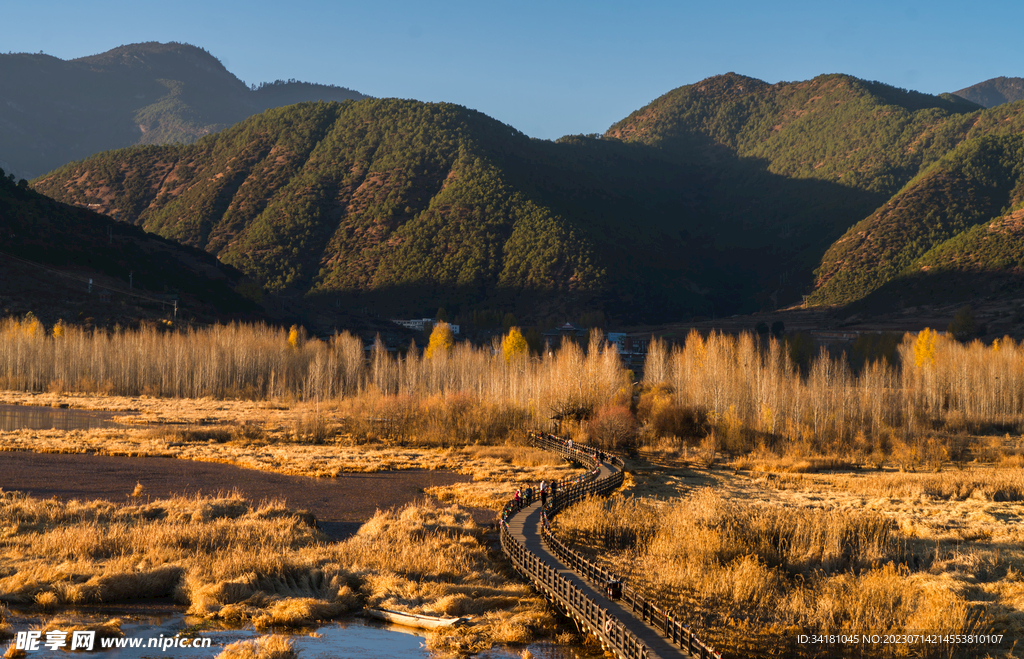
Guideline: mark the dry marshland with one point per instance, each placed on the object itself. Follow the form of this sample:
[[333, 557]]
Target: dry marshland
[[231, 560], [752, 560], [496, 470], [301, 414]]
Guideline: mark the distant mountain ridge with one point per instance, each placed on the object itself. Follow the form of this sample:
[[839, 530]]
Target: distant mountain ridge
[[407, 206], [719, 197], [932, 168], [994, 91], [56, 111]]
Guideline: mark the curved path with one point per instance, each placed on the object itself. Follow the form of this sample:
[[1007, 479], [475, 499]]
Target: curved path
[[526, 527], [541, 558]]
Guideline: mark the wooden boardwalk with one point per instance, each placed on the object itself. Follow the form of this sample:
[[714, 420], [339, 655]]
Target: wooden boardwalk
[[525, 526]]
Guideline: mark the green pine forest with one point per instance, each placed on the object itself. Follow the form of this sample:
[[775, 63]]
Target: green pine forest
[[721, 197]]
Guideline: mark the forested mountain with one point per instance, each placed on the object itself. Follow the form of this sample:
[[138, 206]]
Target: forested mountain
[[409, 206], [979, 180], [995, 91], [50, 251], [918, 169], [836, 128], [56, 111], [725, 196]]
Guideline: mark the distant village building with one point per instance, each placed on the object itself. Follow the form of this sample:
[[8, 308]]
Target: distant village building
[[554, 337], [633, 349], [417, 324], [825, 337]]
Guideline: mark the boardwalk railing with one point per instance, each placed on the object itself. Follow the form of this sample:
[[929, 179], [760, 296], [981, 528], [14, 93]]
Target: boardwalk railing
[[674, 629], [598, 620]]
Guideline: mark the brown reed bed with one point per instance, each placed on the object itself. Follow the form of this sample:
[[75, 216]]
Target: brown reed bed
[[231, 560], [764, 557], [274, 646]]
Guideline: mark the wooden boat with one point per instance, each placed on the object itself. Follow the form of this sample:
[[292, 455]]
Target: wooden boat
[[417, 620]]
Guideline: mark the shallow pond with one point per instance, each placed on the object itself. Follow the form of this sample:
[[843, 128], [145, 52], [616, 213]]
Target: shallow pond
[[354, 638], [340, 504], [17, 417]]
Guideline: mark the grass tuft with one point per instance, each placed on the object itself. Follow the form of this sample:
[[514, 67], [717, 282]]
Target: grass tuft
[[265, 647]]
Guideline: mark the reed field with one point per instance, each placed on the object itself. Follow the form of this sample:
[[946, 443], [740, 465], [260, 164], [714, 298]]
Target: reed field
[[751, 575], [446, 393], [233, 560], [767, 499]]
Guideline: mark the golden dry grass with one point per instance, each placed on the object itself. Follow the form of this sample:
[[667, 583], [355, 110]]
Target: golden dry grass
[[264, 647], [228, 559], [763, 557]]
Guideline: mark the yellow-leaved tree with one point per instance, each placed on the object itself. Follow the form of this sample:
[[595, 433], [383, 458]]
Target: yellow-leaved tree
[[441, 341], [924, 348], [31, 325], [514, 346], [295, 337]]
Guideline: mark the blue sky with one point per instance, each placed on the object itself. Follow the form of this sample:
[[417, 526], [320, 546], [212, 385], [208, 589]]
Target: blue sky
[[546, 68]]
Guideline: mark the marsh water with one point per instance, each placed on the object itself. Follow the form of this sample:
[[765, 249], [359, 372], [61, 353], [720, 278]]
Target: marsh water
[[91, 476], [353, 638], [17, 417]]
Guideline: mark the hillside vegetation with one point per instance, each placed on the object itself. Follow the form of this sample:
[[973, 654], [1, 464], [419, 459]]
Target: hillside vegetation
[[924, 168], [730, 195], [836, 128], [56, 111], [58, 248], [976, 182], [415, 205]]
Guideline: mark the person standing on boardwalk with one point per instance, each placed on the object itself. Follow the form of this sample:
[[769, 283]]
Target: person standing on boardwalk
[[543, 494]]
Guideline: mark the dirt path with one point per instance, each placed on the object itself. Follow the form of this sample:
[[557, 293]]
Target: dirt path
[[340, 504]]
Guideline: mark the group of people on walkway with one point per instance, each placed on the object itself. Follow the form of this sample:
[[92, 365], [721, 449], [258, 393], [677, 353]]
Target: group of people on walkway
[[524, 496]]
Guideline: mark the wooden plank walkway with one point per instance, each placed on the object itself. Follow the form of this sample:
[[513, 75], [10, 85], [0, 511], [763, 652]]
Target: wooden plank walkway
[[525, 526]]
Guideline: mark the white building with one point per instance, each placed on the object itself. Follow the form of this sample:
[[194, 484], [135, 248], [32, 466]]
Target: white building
[[418, 324]]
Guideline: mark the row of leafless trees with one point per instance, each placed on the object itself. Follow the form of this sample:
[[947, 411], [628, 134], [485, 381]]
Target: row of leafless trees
[[744, 388], [261, 362], [735, 386]]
